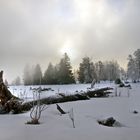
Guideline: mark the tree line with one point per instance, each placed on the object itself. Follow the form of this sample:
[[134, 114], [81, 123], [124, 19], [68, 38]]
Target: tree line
[[58, 74], [89, 71], [133, 66], [62, 73]]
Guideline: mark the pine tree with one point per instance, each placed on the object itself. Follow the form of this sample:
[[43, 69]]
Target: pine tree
[[137, 62], [100, 70], [50, 75], [132, 68], [81, 76], [27, 75], [37, 75], [112, 70], [86, 71], [65, 75], [93, 73]]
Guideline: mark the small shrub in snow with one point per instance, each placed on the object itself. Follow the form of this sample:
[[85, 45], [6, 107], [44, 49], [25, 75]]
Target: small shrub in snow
[[37, 109]]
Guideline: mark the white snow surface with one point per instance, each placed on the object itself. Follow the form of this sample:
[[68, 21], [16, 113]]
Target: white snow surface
[[86, 113], [25, 92]]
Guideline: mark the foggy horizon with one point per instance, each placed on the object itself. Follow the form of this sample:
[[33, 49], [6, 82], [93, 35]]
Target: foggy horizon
[[38, 32]]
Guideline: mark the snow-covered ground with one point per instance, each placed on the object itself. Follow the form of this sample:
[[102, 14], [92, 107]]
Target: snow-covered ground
[[26, 93], [86, 113]]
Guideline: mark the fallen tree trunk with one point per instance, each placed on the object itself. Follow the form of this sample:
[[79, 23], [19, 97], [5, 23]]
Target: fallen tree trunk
[[103, 92], [60, 98]]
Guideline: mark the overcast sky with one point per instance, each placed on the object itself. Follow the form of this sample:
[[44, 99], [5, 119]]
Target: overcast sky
[[40, 31]]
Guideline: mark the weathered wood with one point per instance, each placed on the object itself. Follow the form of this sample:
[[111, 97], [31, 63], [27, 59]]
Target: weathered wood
[[60, 109], [5, 94], [103, 92], [8, 101]]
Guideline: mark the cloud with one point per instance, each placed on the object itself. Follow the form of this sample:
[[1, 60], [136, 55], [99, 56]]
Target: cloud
[[34, 31]]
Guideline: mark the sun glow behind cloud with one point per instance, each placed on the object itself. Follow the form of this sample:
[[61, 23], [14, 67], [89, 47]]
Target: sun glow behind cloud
[[68, 47]]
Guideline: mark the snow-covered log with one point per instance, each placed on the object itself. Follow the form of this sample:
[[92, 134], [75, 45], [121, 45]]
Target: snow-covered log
[[103, 92]]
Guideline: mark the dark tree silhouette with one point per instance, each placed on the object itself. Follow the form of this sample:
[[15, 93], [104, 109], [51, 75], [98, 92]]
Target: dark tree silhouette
[[65, 71]]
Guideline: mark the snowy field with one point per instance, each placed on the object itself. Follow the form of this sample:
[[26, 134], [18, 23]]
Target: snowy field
[[86, 113], [25, 92]]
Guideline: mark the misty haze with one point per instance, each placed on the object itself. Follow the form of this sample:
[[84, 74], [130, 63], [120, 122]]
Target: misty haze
[[69, 69], [40, 32]]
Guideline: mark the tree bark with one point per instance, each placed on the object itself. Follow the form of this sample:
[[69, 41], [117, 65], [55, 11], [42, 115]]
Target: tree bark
[[103, 92], [6, 97], [5, 94]]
